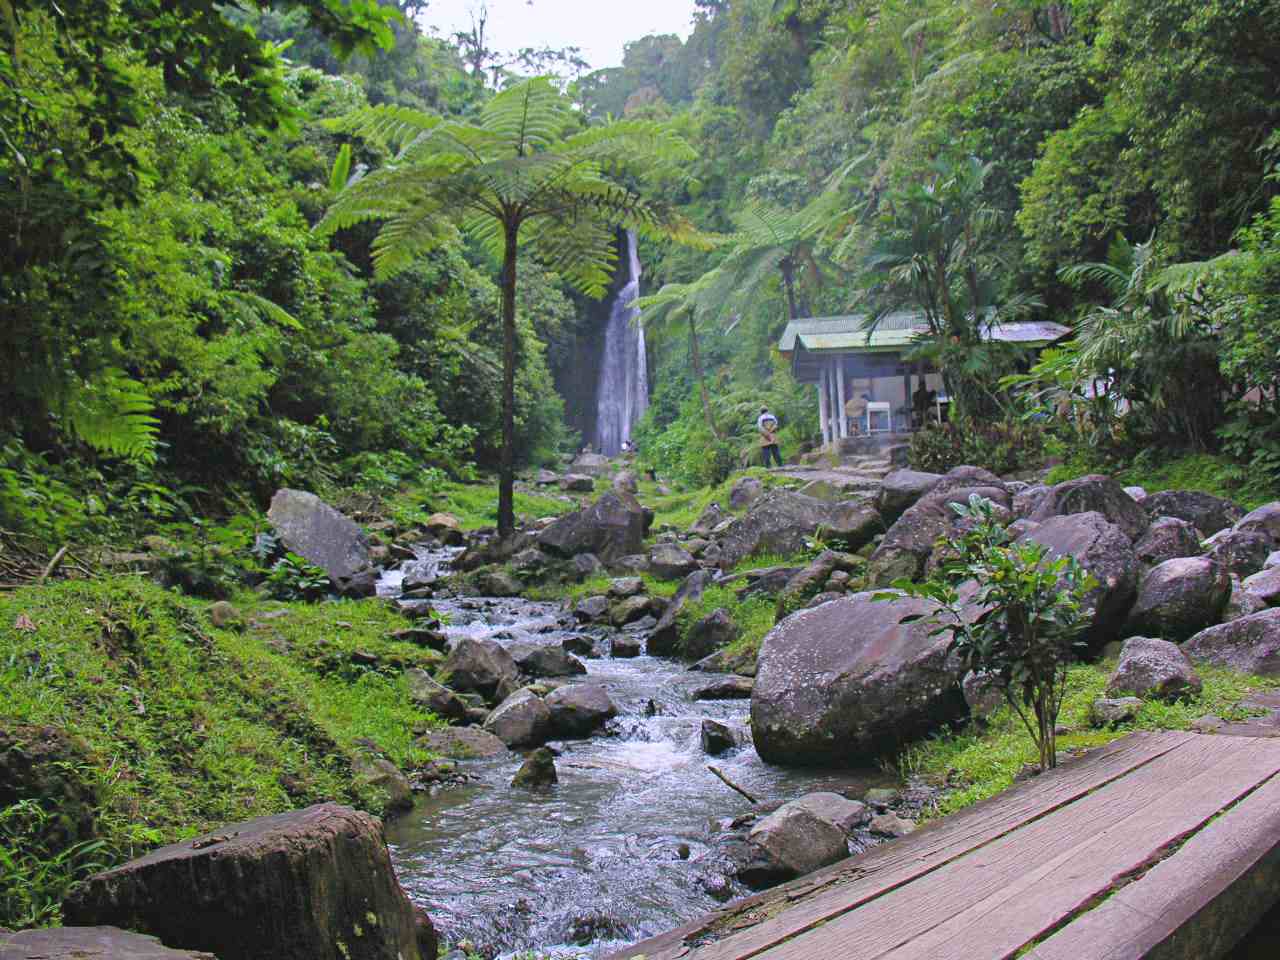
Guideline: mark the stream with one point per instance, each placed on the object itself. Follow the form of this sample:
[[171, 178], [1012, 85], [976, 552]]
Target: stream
[[623, 847]]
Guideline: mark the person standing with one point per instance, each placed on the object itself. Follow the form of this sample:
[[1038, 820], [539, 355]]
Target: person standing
[[767, 424]]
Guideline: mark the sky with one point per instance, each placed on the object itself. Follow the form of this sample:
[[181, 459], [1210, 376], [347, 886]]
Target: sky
[[600, 28]]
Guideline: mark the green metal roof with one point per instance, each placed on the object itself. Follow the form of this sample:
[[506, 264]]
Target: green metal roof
[[896, 331]]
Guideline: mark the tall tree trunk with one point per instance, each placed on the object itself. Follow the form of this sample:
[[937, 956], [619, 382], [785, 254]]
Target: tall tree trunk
[[695, 359], [507, 468], [789, 283]]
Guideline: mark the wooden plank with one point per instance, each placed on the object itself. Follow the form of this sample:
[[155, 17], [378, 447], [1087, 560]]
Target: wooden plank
[[995, 900], [837, 889], [828, 892], [1197, 904]]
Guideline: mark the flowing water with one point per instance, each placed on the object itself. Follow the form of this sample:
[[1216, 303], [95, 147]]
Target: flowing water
[[623, 847], [622, 392]]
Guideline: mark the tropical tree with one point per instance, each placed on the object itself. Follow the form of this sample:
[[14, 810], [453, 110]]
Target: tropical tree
[[527, 175]]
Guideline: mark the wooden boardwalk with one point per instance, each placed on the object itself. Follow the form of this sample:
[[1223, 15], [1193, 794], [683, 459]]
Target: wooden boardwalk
[[1163, 845]]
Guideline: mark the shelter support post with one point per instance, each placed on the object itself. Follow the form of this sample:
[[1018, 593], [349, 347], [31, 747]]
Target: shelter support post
[[841, 417], [824, 419]]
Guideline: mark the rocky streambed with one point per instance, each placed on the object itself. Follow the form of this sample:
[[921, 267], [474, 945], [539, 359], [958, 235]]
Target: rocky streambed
[[636, 836]]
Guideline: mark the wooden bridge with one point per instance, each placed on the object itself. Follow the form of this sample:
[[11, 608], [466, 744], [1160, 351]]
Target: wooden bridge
[[1160, 845]]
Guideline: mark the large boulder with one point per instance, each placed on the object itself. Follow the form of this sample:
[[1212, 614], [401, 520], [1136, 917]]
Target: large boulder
[[664, 641], [1249, 644], [795, 841], [1241, 603], [387, 779], [854, 523], [595, 464], [462, 743], [579, 709], [710, 518], [1241, 552], [1265, 519], [521, 720], [313, 884], [716, 738], [433, 696], [1264, 585], [1205, 512], [1181, 597], [1105, 551], [901, 489], [837, 810], [538, 770], [446, 528], [311, 528], [480, 666], [1153, 669], [89, 943], [611, 528], [909, 543], [667, 561], [545, 660], [1167, 539], [1094, 494], [745, 492], [847, 682], [577, 483], [779, 523], [717, 629], [809, 581]]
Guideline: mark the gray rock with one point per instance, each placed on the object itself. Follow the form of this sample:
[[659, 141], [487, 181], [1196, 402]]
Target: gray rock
[[546, 478], [578, 644], [480, 666], [1205, 512], [696, 546], [741, 662], [592, 609], [446, 528], [822, 598], [846, 682], [716, 738], [1242, 552], [626, 587], [779, 522], [585, 566], [881, 798], [810, 580], [1241, 603], [320, 534], [628, 610], [463, 743], [745, 492], [1105, 712], [854, 523], [440, 700], [594, 464], [664, 641], [1153, 669], [624, 647], [839, 811], [313, 884], [1265, 519], [1167, 539], [633, 564], [1094, 494], [544, 660], [538, 770], [982, 694], [710, 518], [497, 583], [624, 481], [1103, 550], [1181, 597], [1026, 502], [529, 561], [385, 777], [1250, 644], [891, 825], [1139, 494], [909, 543], [667, 561], [225, 616], [766, 581], [901, 489], [797, 842], [577, 483], [579, 709], [612, 527], [1265, 585], [88, 943], [717, 629], [1273, 560], [725, 688], [521, 720]]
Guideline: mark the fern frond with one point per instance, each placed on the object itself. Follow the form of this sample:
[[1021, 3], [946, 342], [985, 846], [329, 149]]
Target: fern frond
[[112, 414], [386, 124]]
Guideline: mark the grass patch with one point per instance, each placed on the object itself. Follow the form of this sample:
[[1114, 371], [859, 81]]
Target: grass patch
[[594, 586], [187, 726], [754, 616], [680, 509], [474, 504], [1209, 473], [982, 762]]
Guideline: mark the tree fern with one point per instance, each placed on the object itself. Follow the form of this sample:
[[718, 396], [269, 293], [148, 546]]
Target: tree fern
[[112, 413]]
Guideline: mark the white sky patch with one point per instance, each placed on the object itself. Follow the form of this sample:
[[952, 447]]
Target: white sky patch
[[600, 29]]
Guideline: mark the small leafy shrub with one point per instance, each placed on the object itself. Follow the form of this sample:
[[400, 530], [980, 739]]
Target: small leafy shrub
[[1031, 620], [292, 578], [1001, 446]]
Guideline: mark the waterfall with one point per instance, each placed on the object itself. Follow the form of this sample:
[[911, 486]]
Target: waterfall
[[623, 390]]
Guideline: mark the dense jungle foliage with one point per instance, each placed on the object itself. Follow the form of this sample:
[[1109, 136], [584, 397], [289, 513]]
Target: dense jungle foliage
[[178, 339]]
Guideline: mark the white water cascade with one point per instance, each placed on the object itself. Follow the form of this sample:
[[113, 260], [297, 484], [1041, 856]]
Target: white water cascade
[[623, 390]]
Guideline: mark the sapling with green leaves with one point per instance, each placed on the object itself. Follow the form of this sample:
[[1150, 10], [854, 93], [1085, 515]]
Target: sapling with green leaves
[[1014, 614]]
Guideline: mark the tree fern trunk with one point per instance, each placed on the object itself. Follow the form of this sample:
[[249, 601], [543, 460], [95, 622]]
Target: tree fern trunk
[[695, 358], [507, 468]]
